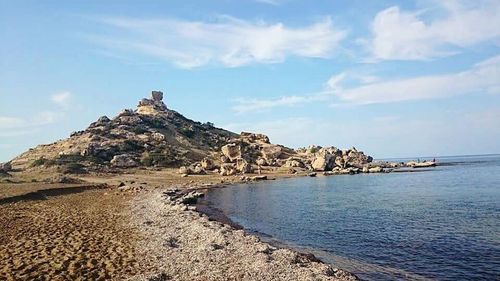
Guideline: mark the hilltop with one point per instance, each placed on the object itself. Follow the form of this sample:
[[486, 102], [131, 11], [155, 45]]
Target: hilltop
[[153, 135]]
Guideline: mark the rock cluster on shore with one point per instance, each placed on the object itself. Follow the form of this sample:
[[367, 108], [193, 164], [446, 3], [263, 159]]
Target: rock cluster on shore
[[155, 136]]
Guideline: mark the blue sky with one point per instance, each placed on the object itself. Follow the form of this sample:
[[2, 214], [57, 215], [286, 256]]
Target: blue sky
[[393, 78]]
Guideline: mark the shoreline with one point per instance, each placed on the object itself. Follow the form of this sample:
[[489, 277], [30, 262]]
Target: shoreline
[[241, 254], [164, 239]]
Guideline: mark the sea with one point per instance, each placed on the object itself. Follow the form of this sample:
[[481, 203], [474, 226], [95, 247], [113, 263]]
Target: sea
[[439, 223]]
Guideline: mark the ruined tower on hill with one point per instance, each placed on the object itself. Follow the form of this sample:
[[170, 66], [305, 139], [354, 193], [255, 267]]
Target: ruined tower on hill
[[153, 105]]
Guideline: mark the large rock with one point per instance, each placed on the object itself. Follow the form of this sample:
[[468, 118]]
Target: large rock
[[251, 137], [294, 163], [157, 96], [159, 137], [185, 170], [123, 161], [228, 170], [375, 170], [271, 152], [323, 161], [5, 167], [207, 164], [243, 166], [232, 151], [152, 106]]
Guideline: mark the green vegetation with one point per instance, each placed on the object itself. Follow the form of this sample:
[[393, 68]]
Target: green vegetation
[[130, 145], [42, 161], [188, 132], [158, 159]]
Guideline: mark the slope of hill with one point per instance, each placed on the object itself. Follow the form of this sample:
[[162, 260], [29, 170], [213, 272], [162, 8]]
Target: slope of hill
[[154, 135]]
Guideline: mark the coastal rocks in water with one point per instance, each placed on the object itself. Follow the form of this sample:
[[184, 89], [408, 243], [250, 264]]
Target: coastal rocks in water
[[424, 164], [377, 169], [312, 175], [232, 151], [123, 161]]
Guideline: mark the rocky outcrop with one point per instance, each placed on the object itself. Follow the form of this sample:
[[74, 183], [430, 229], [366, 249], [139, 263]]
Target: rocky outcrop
[[123, 161], [232, 151], [5, 167], [228, 170], [323, 161], [154, 136], [152, 106], [417, 164], [243, 166]]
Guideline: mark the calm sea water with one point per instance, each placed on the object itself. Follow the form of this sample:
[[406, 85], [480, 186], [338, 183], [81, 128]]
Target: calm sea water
[[440, 224]]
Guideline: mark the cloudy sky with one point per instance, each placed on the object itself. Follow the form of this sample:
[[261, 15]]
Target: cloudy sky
[[393, 78]]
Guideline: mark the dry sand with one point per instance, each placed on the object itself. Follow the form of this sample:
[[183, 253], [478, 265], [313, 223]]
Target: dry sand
[[105, 234]]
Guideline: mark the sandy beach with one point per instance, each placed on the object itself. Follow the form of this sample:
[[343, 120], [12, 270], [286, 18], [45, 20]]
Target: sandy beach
[[138, 233]]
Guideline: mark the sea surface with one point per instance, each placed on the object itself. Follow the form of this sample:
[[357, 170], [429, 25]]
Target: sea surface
[[441, 223]]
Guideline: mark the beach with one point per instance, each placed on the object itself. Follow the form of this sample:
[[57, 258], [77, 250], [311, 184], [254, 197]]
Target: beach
[[114, 233]]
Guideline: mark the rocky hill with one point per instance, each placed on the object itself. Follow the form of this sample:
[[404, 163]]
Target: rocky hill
[[153, 135]]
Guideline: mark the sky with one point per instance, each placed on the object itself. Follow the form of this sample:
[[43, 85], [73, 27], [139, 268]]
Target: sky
[[392, 78]]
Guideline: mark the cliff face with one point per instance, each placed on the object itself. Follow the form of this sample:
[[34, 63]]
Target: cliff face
[[153, 135]]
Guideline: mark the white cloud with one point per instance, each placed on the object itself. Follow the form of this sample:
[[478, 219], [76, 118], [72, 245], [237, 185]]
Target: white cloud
[[403, 35], [40, 119], [247, 105], [228, 41], [270, 2], [334, 81], [62, 99], [482, 78]]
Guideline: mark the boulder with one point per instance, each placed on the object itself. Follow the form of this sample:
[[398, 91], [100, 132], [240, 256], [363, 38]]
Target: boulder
[[251, 137], [158, 137], [377, 169], [243, 166], [123, 161], [232, 151], [294, 163], [207, 164], [323, 161], [228, 170], [198, 170], [185, 170], [5, 167], [126, 112], [261, 162], [271, 152], [102, 121], [157, 96]]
